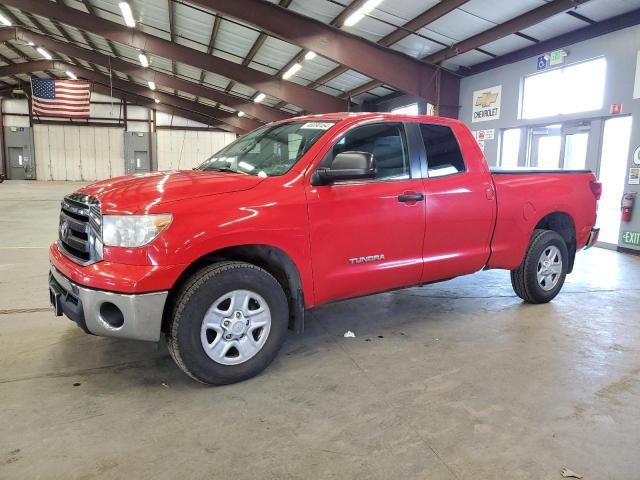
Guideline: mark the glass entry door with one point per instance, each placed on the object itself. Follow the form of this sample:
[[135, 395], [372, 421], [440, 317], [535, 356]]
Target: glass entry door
[[559, 146], [545, 147], [613, 170], [575, 140]]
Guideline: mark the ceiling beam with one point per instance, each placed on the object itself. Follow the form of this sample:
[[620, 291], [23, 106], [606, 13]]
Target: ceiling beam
[[235, 123], [336, 22], [261, 112], [304, 97], [393, 68], [92, 11], [502, 30], [603, 27], [256, 45], [365, 87], [211, 45], [171, 8], [425, 18]]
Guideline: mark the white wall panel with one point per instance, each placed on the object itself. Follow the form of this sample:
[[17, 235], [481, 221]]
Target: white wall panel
[[182, 149], [137, 113], [112, 111], [15, 105], [15, 121], [72, 153], [133, 126], [78, 153], [87, 143], [167, 120], [115, 141], [41, 154]]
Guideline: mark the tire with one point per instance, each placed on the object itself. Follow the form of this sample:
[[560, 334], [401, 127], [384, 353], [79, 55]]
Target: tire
[[198, 347], [545, 245]]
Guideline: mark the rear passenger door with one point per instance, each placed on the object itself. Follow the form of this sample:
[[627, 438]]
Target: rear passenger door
[[366, 235], [460, 206]]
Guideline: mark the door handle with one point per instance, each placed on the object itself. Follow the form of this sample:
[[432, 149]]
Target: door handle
[[410, 197]]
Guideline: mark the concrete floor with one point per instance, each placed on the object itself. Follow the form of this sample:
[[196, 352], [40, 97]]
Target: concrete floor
[[454, 381]]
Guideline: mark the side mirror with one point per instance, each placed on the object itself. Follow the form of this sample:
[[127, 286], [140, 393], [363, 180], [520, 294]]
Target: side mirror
[[347, 166]]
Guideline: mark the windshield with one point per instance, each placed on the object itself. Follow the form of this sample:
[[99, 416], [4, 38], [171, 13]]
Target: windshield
[[268, 151]]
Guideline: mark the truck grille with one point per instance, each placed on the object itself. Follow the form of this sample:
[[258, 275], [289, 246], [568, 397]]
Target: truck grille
[[80, 229]]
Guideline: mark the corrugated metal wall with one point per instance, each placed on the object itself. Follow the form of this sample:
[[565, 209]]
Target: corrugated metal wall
[[78, 153], [89, 153], [184, 149]]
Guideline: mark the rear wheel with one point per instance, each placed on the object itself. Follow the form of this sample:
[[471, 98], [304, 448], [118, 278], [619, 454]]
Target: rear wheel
[[229, 323], [542, 273]]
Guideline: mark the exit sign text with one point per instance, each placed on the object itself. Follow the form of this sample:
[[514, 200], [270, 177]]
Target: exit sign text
[[631, 238]]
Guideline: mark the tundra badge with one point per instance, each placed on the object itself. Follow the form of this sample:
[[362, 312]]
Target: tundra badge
[[370, 258]]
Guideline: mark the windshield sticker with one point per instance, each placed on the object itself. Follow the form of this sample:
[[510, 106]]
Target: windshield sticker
[[316, 126]]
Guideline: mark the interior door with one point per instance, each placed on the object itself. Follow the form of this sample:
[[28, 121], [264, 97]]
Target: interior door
[[365, 236], [17, 163]]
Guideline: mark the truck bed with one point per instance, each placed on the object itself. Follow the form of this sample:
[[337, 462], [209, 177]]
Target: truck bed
[[525, 196]]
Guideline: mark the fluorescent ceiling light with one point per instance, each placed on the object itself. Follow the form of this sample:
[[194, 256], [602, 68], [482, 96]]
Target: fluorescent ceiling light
[[144, 61], [152, 85], [44, 53], [310, 55], [71, 75], [127, 15], [292, 71], [359, 14], [354, 18], [4, 20], [31, 44], [259, 97], [241, 114]]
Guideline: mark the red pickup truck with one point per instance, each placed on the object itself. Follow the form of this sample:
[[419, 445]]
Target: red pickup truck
[[225, 258]]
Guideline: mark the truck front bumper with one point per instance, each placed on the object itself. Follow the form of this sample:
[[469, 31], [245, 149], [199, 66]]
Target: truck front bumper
[[134, 316]]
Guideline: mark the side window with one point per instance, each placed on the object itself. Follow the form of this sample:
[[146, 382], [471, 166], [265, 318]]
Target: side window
[[443, 152], [387, 143]]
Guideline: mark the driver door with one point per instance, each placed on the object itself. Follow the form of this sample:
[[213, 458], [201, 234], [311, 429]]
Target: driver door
[[367, 235]]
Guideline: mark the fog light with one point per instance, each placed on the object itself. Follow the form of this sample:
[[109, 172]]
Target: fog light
[[111, 315]]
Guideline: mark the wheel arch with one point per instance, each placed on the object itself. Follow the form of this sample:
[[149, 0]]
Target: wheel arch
[[562, 223], [272, 259]]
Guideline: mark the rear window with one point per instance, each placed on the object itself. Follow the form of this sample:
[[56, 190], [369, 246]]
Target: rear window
[[443, 152]]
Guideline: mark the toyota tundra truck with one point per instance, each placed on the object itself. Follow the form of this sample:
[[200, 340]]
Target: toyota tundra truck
[[223, 259]]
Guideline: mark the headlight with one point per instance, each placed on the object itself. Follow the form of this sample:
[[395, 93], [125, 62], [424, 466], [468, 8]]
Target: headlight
[[132, 230]]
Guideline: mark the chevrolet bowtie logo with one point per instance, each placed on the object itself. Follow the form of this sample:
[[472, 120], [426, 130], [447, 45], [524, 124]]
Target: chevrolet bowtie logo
[[486, 99]]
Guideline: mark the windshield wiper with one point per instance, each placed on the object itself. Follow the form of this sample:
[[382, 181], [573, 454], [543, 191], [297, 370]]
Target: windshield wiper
[[226, 170]]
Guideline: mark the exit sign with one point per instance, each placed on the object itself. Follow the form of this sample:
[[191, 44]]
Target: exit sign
[[557, 57], [631, 238]]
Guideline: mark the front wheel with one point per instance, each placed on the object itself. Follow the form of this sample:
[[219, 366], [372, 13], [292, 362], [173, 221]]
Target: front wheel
[[229, 323], [541, 275]]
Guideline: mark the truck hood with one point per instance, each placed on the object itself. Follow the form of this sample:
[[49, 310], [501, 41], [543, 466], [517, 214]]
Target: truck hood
[[137, 193]]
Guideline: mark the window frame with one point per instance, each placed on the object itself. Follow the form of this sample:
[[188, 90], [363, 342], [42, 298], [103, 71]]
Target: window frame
[[522, 152], [413, 159], [425, 159], [561, 69]]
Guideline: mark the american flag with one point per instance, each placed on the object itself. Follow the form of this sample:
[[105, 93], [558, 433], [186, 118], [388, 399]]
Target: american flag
[[60, 98]]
